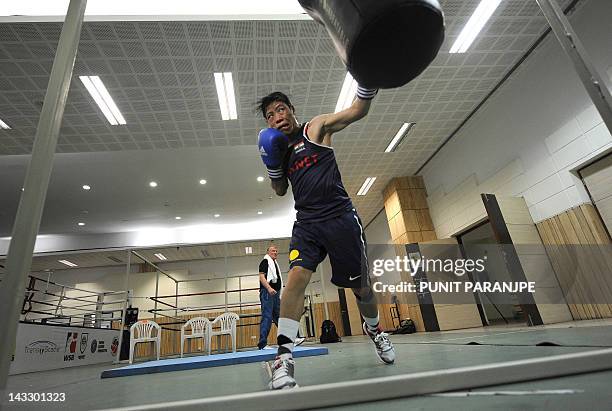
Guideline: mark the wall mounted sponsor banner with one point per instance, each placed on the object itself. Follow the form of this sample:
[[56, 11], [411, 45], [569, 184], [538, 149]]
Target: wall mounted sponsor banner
[[46, 347]]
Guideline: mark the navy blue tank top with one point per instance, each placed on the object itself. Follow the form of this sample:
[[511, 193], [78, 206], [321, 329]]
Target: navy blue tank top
[[315, 180]]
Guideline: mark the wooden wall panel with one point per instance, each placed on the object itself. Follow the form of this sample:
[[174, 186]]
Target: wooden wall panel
[[457, 316], [384, 314], [409, 222], [407, 210], [353, 312], [534, 261], [583, 276], [465, 315], [411, 311], [407, 311], [333, 307]]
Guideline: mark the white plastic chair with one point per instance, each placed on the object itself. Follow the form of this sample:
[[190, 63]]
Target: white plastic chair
[[200, 328], [142, 331], [227, 322]]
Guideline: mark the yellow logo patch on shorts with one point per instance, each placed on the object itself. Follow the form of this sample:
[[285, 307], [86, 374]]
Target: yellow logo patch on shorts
[[293, 255]]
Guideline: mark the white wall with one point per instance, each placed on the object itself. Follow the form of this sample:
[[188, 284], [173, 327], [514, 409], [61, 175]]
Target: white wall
[[526, 140], [377, 231]]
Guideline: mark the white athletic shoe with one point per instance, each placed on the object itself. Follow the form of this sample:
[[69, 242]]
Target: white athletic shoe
[[282, 374], [384, 348], [298, 341]]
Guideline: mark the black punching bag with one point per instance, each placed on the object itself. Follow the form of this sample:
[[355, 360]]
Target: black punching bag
[[384, 43]]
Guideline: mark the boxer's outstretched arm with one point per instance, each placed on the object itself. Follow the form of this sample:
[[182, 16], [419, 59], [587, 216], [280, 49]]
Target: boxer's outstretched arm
[[321, 128]]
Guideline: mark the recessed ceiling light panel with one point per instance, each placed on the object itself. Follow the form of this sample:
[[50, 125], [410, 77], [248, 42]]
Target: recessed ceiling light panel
[[365, 187], [101, 96]]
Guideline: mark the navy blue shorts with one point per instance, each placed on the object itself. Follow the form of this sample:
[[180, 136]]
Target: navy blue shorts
[[342, 238]]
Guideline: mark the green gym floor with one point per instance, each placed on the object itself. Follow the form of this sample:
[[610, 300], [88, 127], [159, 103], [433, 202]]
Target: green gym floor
[[354, 359]]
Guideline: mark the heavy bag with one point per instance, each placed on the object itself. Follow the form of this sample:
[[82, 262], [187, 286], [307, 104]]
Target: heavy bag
[[384, 43]]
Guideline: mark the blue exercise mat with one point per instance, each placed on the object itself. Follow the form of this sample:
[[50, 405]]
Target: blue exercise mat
[[206, 361]]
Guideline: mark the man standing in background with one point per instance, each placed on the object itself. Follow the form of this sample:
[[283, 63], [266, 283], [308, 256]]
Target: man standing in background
[[270, 284]]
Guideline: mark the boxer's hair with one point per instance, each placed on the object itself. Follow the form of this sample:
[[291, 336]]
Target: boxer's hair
[[264, 102]]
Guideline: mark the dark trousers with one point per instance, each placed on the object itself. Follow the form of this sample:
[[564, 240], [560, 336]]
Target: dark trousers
[[270, 311]]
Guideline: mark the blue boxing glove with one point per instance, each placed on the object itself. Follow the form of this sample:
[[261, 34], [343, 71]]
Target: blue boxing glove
[[273, 146]]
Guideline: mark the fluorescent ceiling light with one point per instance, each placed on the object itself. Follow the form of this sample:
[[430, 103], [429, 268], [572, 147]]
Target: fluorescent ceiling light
[[260, 179], [98, 91], [202, 182], [365, 187], [68, 263], [248, 250], [481, 15], [403, 131], [217, 215], [153, 184], [227, 98], [347, 94], [177, 218], [86, 187], [80, 224], [4, 126], [259, 212], [161, 256]]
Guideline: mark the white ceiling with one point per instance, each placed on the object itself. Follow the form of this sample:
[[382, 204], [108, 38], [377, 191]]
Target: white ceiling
[[160, 75], [121, 200]]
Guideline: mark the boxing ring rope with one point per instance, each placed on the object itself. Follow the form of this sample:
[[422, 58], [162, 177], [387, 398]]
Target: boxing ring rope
[[157, 298], [157, 271], [87, 307], [175, 313], [186, 310]]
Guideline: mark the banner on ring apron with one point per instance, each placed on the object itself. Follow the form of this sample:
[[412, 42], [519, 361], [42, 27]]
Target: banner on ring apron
[[45, 347]]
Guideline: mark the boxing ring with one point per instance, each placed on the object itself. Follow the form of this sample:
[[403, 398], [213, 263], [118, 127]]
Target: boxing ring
[[49, 302], [64, 326], [173, 310]]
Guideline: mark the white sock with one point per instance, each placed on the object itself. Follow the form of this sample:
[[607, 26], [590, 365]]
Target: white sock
[[287, 331], [372, 323]]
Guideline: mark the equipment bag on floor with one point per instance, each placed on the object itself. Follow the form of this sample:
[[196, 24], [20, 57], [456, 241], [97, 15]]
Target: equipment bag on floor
[[406, 327], [328, 333]]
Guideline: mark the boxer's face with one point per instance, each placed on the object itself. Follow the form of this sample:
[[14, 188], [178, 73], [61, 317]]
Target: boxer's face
[[281, 117]]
